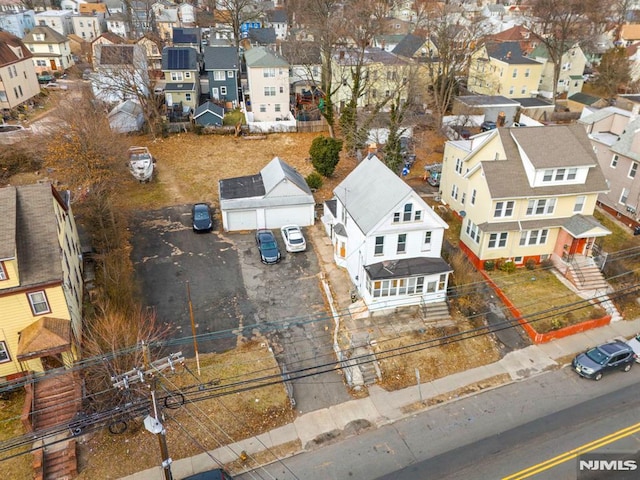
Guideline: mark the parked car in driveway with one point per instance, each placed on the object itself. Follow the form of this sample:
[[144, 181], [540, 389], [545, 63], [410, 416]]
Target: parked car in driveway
[[487, 125], [634, 343], [202, 218], [293, 238], [56, 86], [267, 246], [597, 361]]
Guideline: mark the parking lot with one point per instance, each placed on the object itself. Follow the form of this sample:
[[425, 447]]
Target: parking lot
[[234, 295]]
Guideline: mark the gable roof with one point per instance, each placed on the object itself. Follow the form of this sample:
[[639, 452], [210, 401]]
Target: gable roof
[[211, 107], [8, 44], [50, 35], [46, 335], [276, 170], [277, 15], [509, 52], [30, 231], [372, 191], [262, 36], [549, 146], [220, 58], [179, 58], [128, 107], [301, 53], [261, 57], [625, 144], [110, 37], [409, 45]]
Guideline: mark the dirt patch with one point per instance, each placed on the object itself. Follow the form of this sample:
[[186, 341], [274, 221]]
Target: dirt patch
[[18, 468], [433, 357], [199, 426]]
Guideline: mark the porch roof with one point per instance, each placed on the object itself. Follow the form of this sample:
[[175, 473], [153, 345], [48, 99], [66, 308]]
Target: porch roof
[[585, 226], [407, 267], [45, 336]]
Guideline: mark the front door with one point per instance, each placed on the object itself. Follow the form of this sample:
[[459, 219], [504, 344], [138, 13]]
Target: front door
[[53, 64]]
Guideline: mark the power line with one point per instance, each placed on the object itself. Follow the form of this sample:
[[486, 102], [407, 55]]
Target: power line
[[100, 419]]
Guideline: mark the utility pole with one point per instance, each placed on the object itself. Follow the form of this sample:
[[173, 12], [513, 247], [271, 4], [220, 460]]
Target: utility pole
[[152, 422], [193, 328]]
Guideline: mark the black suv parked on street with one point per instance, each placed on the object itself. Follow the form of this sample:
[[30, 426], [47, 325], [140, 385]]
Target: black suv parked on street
[[596, 361]]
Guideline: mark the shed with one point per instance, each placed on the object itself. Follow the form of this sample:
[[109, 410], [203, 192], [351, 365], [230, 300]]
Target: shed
[[209, 114], [277, 196], [126, 117]]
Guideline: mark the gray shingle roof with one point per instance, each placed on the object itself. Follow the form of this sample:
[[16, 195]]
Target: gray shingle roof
[[50, 35], [370, 192], [626, 142], [407, 267], [509, 52], [549, 146], [261, 57], [220, 58], [30, 230], [409, 45]]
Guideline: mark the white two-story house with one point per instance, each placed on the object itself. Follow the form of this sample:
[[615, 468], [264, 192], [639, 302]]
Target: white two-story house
[[387, 238], [51, 51], [268, 82]]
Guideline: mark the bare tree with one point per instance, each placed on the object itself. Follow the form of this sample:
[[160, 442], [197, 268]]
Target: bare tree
[[453, 39], [322, 18], [613, 72], [236, 12], [125, 76], [558, 24]]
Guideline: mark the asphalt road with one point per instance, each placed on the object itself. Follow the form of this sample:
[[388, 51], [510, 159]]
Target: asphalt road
[[235, 296], [487, 436]]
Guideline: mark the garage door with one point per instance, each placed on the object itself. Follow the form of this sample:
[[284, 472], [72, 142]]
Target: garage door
[[241, 220], [277, 217]]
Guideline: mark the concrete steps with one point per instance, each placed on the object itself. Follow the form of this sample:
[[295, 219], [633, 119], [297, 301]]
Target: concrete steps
[[435, 312]]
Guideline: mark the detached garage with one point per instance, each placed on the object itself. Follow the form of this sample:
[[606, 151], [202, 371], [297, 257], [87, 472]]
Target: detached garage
[[277, 196]]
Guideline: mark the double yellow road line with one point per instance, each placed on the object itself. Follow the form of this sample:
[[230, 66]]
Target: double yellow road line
[[571, 454]]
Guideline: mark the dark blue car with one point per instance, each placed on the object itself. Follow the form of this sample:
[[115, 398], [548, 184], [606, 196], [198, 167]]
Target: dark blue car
[[202, 219], [268, 246]]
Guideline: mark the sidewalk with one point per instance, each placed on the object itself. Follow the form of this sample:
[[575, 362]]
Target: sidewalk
[[382, 407]]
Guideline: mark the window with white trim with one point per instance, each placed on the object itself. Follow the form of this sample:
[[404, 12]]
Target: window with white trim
[[263, 108], [39, 303], [504, 209], [268, 72], [408, 209], [624, 196], [426, 244], [614, 161], [379, 247], [269, 91], [4, 352], [473, 197], [633, 169], [454, 192], [218, 75], [278, 108], [418, 215], [541, 206], [230, 74], [533, 237], [3, 272], [187, 74], [176, 76], [472, 231], [402, 243], [223, 90], [579, 205], [459, 166], [498, 240], [515, 73]]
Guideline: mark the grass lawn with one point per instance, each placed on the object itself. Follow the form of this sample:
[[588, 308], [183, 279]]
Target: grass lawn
[[18, 468], [536, 292]]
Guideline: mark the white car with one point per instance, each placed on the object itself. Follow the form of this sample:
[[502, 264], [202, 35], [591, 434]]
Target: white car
[[634, 343], [55, 86], [293, 238]]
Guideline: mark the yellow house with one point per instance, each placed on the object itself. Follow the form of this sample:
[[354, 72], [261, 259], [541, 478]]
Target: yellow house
[[525, 193], [41, 285], [384, 75], [500, 68]]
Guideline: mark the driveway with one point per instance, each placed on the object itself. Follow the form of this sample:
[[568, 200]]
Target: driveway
[[233, 294]]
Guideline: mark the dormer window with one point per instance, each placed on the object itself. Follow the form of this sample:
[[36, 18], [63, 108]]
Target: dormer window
[[560, 175]]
